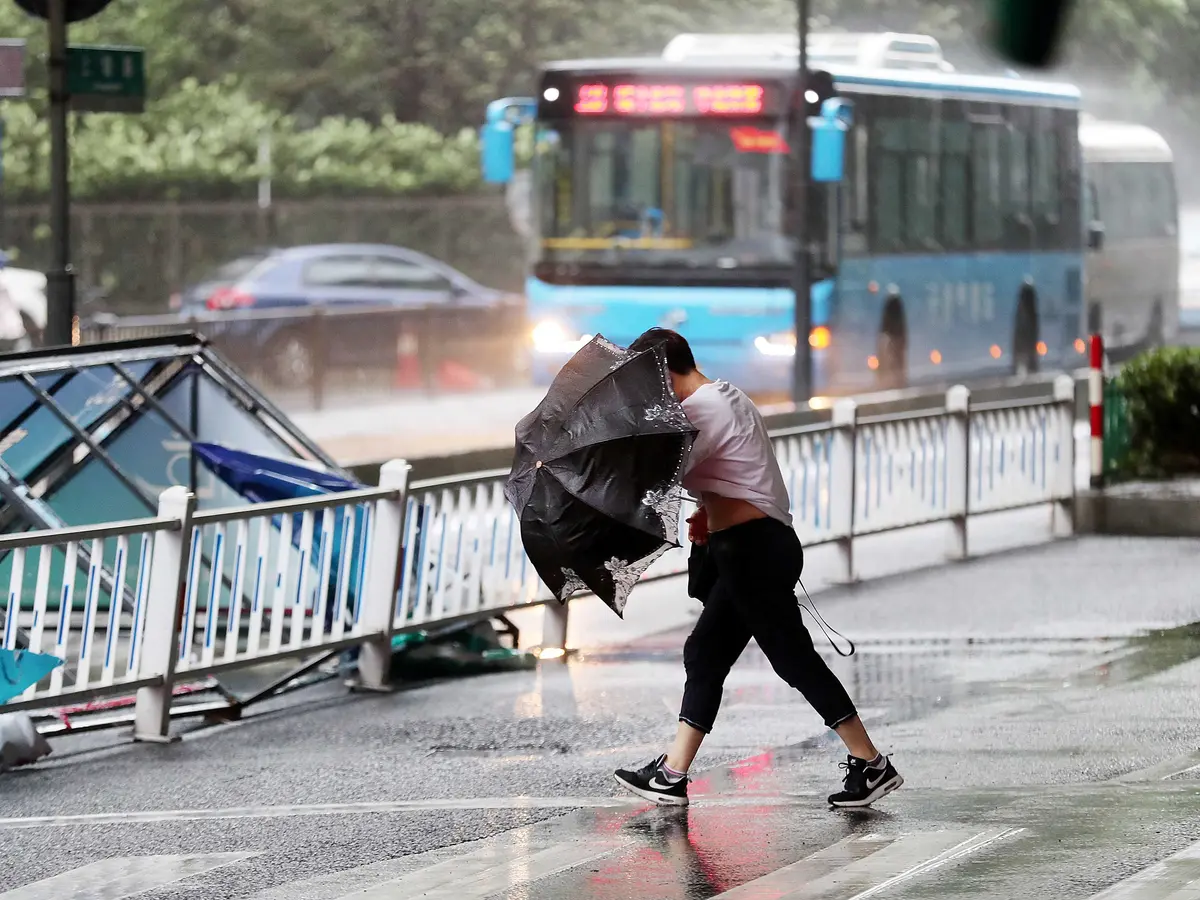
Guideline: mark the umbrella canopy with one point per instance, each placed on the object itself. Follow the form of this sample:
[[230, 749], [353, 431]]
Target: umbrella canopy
[[21, 670], [265, 479], [596, 473]]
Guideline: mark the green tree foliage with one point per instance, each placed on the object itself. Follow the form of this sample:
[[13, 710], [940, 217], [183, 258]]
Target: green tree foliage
[[374, 96], [201, 142]]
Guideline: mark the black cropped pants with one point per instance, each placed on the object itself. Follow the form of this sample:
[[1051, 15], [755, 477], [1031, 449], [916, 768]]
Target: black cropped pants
[[753, 572]]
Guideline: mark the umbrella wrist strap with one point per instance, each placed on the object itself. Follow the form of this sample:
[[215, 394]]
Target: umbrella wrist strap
[[823, 625]]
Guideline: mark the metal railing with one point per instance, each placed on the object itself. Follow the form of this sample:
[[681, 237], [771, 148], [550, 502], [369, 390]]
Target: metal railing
[[848, 478], [240, 587]]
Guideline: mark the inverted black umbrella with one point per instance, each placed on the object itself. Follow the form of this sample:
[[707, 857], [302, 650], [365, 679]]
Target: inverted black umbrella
[[596, 475]]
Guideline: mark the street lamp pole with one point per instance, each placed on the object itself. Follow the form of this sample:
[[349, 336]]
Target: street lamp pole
[[801, 166], [60, 280]]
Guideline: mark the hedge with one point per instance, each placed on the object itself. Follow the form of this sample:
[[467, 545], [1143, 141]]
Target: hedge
[[201, 142], [1161, 390]]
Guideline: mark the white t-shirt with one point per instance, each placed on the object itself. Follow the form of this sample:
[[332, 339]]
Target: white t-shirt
[[732, 456]]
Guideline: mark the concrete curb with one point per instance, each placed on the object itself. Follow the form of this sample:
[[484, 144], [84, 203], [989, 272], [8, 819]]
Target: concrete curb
[[1131, 513]]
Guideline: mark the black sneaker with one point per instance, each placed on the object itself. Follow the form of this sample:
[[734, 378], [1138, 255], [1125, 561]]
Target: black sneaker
[[864, 784], [651, 782]]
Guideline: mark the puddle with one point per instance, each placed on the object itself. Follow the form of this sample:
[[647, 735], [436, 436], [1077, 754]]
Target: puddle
[[1147, 655]]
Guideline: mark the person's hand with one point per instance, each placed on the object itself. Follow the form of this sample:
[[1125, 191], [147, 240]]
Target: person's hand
[[698, 526]]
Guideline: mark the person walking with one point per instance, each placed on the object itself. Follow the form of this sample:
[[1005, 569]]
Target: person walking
[[753, 557]]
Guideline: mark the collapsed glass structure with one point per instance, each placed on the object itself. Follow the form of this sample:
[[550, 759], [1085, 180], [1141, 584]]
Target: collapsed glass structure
[[95, 433]]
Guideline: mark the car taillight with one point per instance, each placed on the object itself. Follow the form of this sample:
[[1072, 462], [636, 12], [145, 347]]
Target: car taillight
[[229, 298]]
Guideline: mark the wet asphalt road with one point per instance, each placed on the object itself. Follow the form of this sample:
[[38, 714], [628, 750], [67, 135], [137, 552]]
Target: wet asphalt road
[[1042, 704]]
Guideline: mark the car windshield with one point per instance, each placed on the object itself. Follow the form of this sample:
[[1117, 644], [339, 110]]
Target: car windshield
[[697, 194]]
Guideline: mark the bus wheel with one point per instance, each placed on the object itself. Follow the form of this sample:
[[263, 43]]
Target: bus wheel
[[891, 347], [1025, 336]]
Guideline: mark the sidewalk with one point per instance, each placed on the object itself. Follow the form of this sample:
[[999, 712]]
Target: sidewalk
[[660, 606]]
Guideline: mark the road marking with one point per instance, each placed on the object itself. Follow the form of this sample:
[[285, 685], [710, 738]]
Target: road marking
[[315, 809], [867, 865], [473, 870], [1175, 878], [488, 871], [1163, 771], [143, 817], [811, 868], [124, 876]]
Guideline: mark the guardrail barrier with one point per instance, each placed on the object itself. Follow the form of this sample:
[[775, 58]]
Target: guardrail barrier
[[232, 588]]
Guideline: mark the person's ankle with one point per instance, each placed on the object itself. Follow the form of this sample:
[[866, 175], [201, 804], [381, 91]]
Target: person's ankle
[[671, 772]]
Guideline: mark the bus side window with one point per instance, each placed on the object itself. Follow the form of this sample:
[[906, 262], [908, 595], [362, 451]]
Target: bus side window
[[1019, 217], [1091, 202], [1070, 182], [888, 140], [921, 177], [861, 180], [987, 184], [1046, 183], [854, 210], [954, 206]]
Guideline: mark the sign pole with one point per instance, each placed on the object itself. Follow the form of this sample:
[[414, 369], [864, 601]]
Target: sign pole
[[801, 166], [60, 280]]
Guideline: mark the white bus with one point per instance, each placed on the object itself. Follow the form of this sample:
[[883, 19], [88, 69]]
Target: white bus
[[1132, 271]]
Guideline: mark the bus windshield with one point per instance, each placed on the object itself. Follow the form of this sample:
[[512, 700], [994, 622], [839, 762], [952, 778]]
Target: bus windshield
[[661, 193]]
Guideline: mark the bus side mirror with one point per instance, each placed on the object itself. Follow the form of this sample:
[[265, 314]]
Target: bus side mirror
[[1096, 236], [829, 140], [499, 157]]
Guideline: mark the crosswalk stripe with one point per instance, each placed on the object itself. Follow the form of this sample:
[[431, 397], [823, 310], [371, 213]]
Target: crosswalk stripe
[[866, 865], [1175, 878], [112, 879], [470, 870], [492, 870]]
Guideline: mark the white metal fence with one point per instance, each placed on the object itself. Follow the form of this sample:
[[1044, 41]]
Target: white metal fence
[[198, 593]]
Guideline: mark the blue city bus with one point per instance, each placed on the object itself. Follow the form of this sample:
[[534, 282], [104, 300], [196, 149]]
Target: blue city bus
[[944, 215]]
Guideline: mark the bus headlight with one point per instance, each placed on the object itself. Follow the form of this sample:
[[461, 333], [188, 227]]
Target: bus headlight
[[782, 344], [550, 337]]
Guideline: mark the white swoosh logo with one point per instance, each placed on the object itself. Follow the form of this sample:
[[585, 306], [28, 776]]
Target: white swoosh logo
[[659, 786], [871, 785]]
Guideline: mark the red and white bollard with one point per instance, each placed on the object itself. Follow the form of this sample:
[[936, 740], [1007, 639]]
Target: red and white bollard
[[1096, 404]]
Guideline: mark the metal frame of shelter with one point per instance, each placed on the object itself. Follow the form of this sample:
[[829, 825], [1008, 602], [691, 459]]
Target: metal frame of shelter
[[94, 433]]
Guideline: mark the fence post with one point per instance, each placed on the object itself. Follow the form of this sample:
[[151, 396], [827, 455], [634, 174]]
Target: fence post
[[555, 618], [169, 564], [384, 559], [1063, 509], [1096, 409], [958, 467], [842, 464]]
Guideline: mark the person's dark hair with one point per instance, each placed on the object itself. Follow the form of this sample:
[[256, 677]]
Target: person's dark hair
[[679, 353]]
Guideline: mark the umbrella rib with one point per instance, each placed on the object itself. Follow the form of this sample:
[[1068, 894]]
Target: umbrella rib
[[626, 437], [601, 512]]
